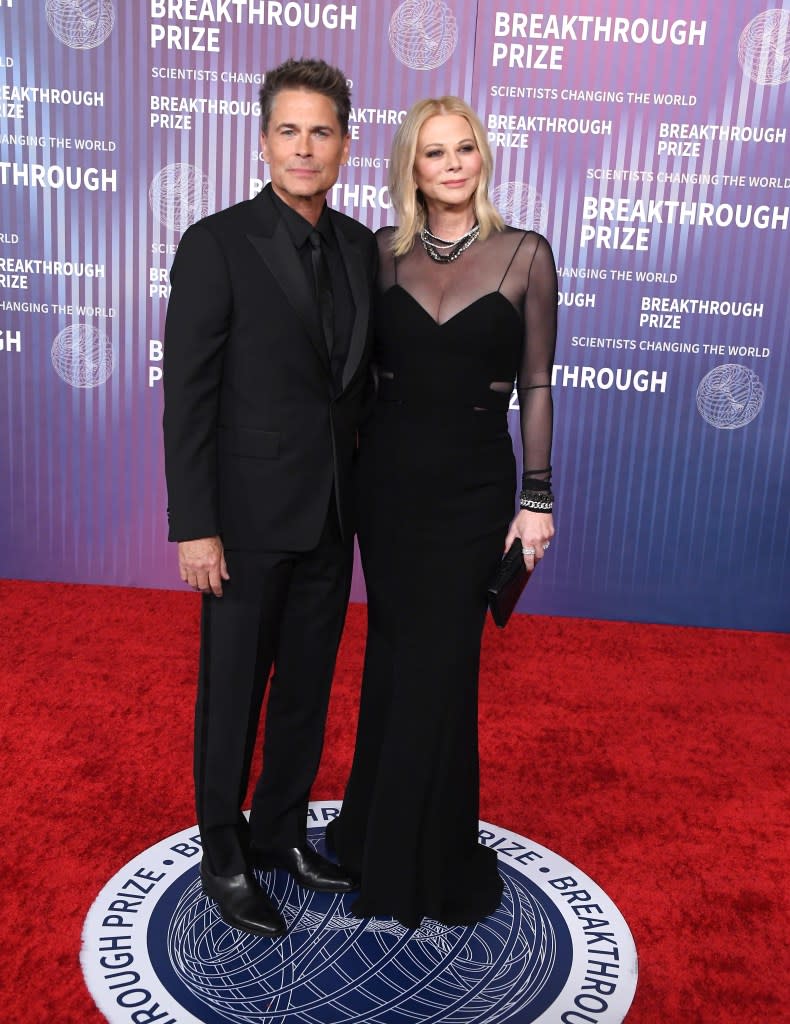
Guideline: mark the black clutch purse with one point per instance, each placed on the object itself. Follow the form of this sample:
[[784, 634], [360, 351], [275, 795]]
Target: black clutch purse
[[508, 585]]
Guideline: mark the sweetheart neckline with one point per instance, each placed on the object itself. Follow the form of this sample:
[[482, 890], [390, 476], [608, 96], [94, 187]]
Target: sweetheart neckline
[[443, 323]]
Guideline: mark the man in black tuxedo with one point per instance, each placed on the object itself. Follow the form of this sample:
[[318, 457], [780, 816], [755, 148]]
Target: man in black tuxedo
[[265, 377]]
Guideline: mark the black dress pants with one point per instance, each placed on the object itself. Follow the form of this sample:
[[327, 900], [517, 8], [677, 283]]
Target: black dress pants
[[281, 609]]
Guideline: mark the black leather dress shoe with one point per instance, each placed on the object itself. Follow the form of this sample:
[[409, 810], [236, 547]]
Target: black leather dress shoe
[[309, 868], [242, 903]]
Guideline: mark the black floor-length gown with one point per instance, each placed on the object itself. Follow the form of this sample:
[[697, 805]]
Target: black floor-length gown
[[437, 482]]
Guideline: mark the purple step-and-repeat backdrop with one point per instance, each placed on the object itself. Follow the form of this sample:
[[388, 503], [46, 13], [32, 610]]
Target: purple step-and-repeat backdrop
[[651, 149]]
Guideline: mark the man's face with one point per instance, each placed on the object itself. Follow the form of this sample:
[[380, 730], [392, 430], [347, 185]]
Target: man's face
[[303, 146]]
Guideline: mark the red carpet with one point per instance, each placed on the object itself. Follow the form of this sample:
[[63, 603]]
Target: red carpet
[[652, 757]]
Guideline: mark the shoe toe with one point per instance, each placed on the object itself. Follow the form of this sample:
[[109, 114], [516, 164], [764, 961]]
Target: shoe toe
[[242, 903], [308, 868]]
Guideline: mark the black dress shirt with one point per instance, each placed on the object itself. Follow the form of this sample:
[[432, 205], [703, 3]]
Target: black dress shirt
[[300, 230]]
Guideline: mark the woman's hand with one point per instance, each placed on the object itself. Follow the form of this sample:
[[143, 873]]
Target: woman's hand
[[535, 530]]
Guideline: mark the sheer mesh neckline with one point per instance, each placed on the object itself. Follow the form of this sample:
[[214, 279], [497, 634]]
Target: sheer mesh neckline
[[444, 290]]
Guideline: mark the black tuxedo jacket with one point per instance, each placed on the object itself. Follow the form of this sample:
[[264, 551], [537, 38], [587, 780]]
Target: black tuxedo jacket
[[256, 431]]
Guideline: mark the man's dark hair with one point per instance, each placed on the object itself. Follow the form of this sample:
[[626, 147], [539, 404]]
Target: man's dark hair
[[311, 75]]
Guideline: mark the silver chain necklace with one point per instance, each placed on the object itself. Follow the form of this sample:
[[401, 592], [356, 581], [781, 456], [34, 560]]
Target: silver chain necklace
[[434, 245]]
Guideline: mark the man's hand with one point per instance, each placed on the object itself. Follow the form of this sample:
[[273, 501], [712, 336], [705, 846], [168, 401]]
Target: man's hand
[[202, 564]]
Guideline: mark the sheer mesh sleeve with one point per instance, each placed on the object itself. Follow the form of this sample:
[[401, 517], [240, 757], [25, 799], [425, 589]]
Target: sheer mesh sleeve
[[537, 359], [386, 274]]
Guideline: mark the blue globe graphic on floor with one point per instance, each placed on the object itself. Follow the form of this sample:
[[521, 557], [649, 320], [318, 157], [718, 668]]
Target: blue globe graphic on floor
[[333, 968]]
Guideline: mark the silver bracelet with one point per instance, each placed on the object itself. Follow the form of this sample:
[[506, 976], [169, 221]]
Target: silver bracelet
[[536, 501]]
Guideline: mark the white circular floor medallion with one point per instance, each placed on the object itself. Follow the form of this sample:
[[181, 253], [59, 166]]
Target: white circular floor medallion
[[556, 952]]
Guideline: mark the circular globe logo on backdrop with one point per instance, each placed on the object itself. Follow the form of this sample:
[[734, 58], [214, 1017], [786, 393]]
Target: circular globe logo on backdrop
[[423, 34], [730, 396], [80, 24], [153, 943], [764, 48], [179, 195], [82, 356], [520, 205]]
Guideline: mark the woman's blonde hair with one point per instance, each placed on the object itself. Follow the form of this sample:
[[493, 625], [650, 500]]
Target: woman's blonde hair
[[407, 198]]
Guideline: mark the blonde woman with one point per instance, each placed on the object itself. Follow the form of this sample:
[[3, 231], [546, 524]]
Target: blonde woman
[[466, 307]]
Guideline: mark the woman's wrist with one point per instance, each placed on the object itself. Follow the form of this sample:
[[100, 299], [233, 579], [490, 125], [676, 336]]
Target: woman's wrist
[[536, 500], [535, 494]]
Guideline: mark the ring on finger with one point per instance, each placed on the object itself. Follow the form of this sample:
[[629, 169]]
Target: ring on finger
[[529, 551]]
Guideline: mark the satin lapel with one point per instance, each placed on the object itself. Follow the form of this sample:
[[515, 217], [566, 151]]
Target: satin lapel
[[276, 250], [360, 291]]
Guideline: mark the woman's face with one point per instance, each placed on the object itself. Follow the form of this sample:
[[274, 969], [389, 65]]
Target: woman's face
[[447, 163]]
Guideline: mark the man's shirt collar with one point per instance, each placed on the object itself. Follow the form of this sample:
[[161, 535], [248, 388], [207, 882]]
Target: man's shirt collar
[[300, 229]]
